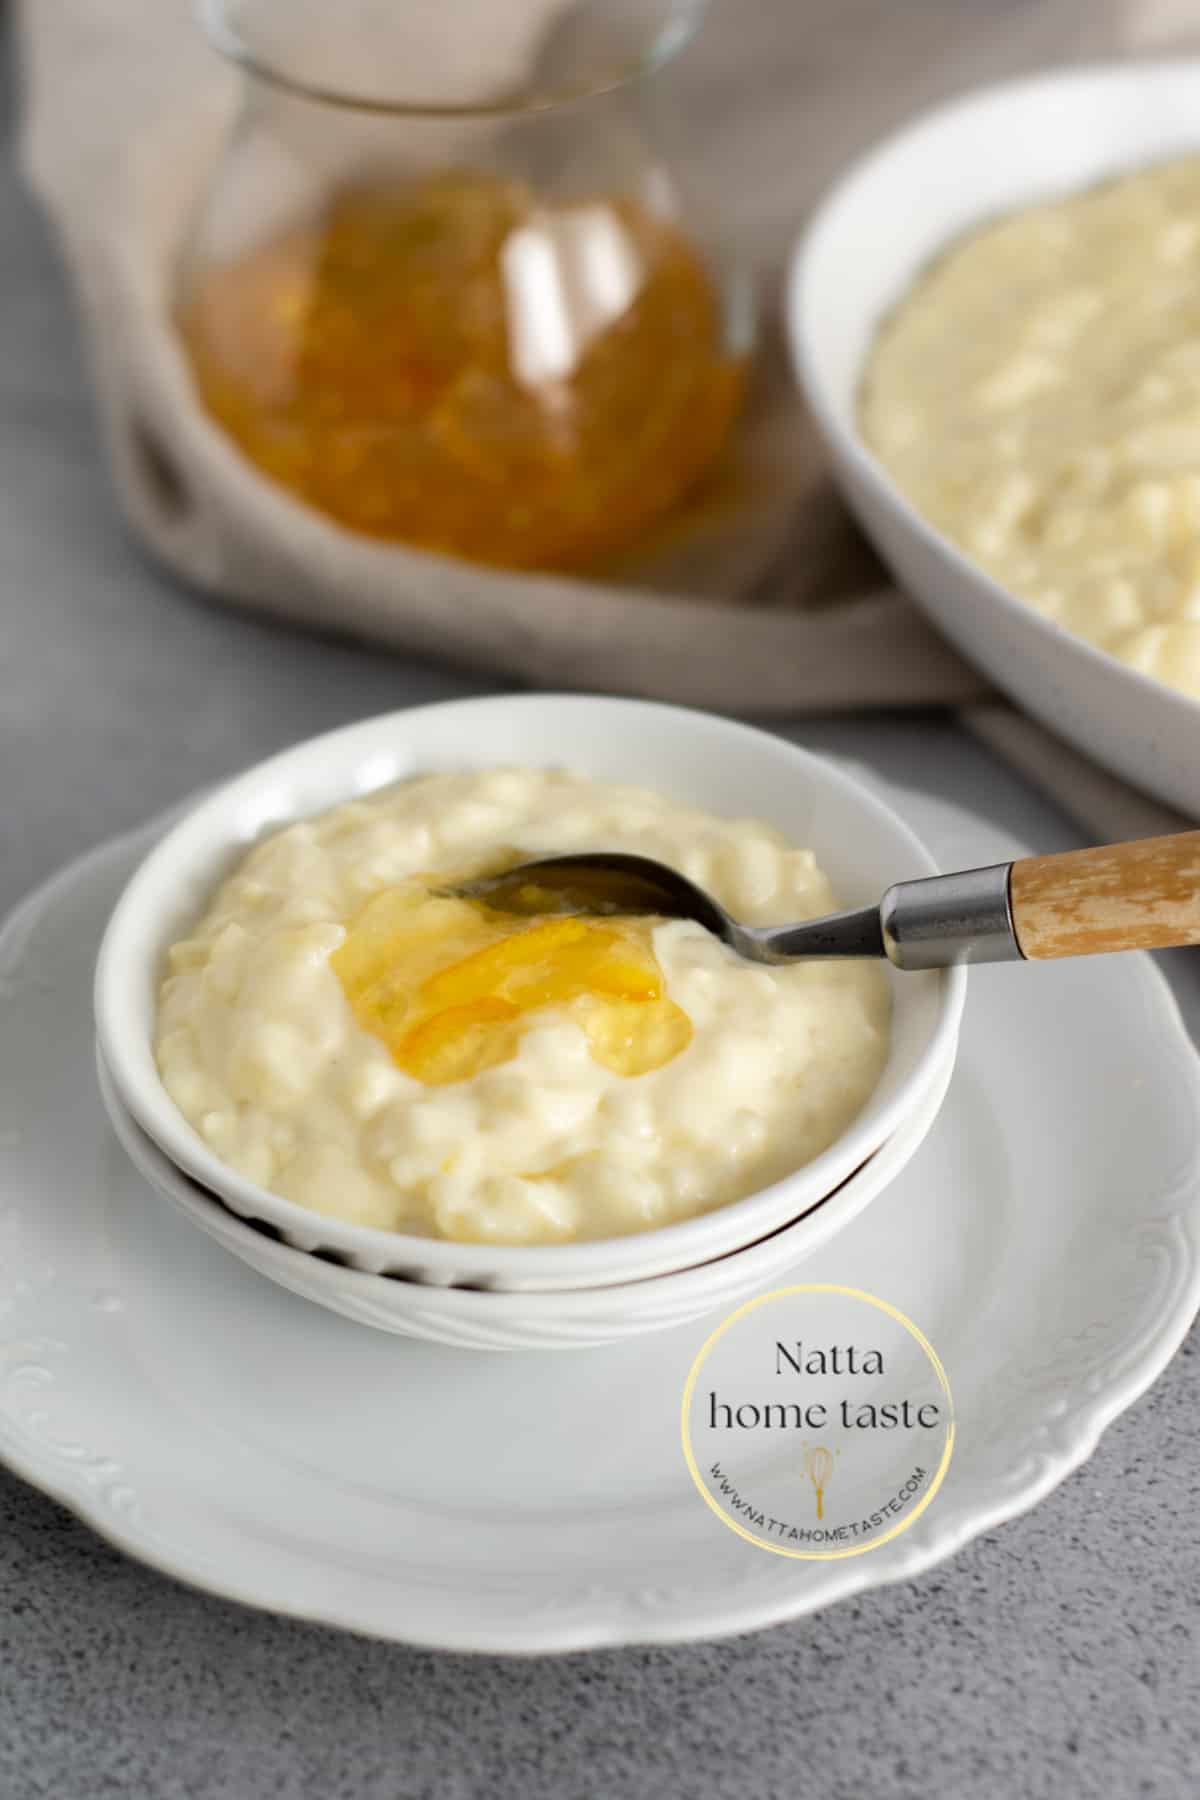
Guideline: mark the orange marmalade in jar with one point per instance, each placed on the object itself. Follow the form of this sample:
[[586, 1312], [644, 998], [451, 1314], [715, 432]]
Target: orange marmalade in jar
[[452, 362]]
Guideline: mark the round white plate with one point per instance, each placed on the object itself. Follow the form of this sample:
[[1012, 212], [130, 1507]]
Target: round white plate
[[1045, 1239]]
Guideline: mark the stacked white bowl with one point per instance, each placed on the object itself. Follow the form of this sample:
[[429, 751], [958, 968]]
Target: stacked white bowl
[[502, 1297]]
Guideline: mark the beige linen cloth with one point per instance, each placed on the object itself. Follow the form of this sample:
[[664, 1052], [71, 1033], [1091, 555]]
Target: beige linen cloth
[[765, 605]]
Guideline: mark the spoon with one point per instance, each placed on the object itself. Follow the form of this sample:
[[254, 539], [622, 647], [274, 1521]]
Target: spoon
[[1142, 895]]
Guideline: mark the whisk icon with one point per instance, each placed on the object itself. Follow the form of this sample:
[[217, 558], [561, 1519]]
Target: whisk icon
[[818, 1466]]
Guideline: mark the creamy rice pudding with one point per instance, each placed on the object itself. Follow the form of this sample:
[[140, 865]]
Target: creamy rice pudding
[[1037, 397], [343, 1030]]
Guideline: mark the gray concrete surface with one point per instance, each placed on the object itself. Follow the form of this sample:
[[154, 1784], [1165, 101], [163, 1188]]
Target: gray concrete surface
[[1057, 1657]]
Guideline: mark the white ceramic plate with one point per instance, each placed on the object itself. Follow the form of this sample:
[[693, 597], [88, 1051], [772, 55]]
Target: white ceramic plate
[[1046, 1237], [992, 152]]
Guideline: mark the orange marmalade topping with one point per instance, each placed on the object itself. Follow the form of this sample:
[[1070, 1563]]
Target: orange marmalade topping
[[365, 361], [450, 985]]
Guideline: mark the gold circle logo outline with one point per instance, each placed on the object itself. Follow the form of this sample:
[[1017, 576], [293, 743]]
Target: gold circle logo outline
[[749, 1306]]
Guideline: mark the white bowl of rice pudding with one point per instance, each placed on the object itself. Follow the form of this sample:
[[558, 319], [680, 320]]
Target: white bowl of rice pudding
[[1043, 508], [309, 1026]]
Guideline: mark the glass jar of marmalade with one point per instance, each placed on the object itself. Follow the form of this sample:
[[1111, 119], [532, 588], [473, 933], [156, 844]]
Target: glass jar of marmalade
[[444, 285]]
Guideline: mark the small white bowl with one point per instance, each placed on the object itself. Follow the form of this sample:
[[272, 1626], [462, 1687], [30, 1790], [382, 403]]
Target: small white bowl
[[478, 1319], [699, 759], [953, 169]]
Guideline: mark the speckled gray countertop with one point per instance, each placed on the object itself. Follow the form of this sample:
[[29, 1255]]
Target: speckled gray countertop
[[1057, 1657]]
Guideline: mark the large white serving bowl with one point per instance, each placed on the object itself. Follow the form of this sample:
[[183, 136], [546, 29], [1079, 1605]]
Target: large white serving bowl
[[482, 1319], [954, 168], [694, 757]]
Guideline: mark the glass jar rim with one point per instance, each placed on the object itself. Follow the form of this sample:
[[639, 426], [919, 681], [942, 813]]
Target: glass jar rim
[[681, 20]]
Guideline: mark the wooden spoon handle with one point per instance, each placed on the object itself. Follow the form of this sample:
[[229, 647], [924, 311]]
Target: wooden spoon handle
[[1144, 895]]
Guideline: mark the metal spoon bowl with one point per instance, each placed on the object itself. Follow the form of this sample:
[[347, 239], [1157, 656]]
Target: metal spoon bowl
[[611, 883]]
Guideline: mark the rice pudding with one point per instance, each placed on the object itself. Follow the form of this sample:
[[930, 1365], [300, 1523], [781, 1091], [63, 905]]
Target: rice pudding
[[342, 1030], [1037, 397]]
